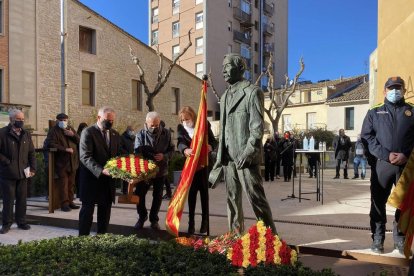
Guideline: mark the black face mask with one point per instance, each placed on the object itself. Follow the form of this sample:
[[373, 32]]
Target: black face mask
[[18, 124], [153, 130], [106, 124]]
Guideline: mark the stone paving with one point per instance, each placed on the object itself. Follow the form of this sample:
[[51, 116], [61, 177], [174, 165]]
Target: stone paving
[[338, 227]]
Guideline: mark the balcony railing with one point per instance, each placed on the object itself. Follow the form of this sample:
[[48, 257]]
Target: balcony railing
[[268, 29], [242, 37], [268, 8], [243, 17], [268, 48]]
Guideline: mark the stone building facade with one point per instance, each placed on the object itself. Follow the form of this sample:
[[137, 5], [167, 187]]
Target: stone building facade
[[111, 77]]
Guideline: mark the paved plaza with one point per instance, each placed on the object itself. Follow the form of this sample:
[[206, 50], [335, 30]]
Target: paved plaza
[[335, 234]]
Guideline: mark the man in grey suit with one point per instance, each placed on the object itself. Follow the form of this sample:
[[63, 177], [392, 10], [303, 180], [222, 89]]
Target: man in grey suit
[[240, 149], [98, 144]]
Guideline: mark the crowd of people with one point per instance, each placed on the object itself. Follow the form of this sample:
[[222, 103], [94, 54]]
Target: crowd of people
[[385, 142]]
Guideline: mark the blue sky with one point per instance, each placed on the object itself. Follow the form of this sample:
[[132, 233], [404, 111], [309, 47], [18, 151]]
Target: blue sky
[[335, 37]]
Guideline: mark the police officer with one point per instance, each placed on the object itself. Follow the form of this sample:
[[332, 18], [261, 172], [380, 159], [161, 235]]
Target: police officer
[[388, 133]]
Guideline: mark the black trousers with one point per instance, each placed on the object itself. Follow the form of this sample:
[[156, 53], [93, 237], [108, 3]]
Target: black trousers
[[168, 190], [14, 189], [384, 175], [269, 169], [200, 183], [277, 164], [86, 217], [338, 167], [142, 190], [287, 172]]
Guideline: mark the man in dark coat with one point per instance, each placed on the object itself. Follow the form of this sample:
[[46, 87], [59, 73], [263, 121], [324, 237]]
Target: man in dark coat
[[17, 163], [98, 144], [153, 142], [342, 145], [65, 139], [240, 149]]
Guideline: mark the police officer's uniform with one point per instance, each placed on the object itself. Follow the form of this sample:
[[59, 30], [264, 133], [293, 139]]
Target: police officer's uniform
[[387, 127]]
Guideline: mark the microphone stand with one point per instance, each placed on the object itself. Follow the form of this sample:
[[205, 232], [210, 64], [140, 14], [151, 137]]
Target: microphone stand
[[293, 146]]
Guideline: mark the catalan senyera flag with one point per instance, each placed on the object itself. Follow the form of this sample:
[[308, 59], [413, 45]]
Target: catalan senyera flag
[[198, 160], [402, 198]]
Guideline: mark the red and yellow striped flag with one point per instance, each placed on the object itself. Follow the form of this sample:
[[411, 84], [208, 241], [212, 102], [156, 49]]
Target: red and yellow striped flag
[[197, 160], [402, 198]]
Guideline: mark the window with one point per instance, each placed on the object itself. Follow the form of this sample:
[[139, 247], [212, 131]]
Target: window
[[88, 88], [199, 2], [229, 26], [229, 49], [199, 46], [256, 68], [1, 16], [256, 47], [310, 120], [245, 51], [175, 51], [256, 25], [154, 15], [176, 29], [229, 3], [247, 75], [175, 6], [349, 118], [199, 20], [136, 95], [154, 37], [287, 123], [87, 39], [199, 70], [307, 96], [256, 3], [217, 115], [245, 6], [175, 103]]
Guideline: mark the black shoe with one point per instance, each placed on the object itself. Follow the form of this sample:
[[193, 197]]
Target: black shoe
[[310, 176], [73, 206], [377, 247], [363, 177], [166, 196], [5, 229], [346, 177], [23, 226], [155, 225], [336, 177], [191, 229], [65, 208], [204, 227], [140, 224], [355, 177]]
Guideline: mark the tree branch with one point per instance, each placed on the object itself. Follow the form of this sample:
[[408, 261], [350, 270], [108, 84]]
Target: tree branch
[[210, 82], [136, 61]]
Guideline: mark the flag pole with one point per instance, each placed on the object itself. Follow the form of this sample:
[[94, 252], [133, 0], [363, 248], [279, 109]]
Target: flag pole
[[205, 79]]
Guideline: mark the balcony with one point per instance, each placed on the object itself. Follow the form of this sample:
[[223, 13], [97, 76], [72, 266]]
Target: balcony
[[268, 48], [268, 29], [242, 37], [244, 18], [268, 8]]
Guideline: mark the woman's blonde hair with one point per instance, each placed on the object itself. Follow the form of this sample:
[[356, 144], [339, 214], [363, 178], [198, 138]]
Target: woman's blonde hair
[[189, 111]]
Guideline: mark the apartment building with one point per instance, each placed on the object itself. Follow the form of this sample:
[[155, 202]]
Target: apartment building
[[97, 70], [253, 28]]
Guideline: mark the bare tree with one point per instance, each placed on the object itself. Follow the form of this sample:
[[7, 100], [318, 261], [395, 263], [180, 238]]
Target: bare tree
[[162, 77], [278, 99]]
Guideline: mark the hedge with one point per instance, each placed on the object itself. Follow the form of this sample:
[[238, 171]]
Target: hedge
[[123, 255]]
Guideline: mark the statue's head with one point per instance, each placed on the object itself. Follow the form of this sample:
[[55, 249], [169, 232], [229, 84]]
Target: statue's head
[[233, 68]]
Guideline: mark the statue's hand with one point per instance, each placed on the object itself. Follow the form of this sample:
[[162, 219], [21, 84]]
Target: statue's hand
[[243, 162]]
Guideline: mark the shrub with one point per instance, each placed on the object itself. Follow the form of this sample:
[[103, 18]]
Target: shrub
[[176, 164], [119, 255]]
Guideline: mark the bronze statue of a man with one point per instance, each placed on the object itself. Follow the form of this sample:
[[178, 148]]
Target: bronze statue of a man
[[240, 148]]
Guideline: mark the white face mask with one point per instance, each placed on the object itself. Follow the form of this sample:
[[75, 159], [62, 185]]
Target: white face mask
[[63, 124], [394, 95], [188, 124]]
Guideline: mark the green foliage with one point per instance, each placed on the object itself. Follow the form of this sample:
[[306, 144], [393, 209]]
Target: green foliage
[[176, 164], [119, 255], [38, 184]]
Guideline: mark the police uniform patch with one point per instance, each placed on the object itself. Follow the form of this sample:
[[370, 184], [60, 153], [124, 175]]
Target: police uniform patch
[[408, 113]]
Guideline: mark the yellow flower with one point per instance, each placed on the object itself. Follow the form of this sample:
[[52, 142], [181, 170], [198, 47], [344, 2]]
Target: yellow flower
[[246, 250], [293, 257], [230, 254], [123, 164]]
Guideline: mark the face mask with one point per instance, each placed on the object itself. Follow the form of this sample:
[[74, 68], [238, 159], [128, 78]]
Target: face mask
[[394, 95], [63, 124], [106, 124], [18, 124], [153, 130], [188, 124]]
